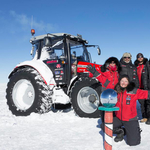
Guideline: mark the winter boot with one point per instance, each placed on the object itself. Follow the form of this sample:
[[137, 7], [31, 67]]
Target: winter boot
[[143, 120], [120, 134], [148, 121]]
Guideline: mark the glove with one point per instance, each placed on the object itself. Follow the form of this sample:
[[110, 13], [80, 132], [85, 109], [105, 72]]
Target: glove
[[92, 70]]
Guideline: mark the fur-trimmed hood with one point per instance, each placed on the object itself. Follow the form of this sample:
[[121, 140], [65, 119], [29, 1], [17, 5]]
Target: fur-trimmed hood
[[130, 87], [108, 61], [136, 63]]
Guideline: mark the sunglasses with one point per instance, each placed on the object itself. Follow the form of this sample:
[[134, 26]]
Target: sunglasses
[[139, 57], [126, 57]]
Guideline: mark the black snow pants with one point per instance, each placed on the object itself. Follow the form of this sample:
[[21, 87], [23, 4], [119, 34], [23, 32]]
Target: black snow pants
[[143, 107], [148, 108], [132, 130]]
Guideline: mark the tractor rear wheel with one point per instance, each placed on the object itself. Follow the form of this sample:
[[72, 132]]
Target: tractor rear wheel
[[26, 93]]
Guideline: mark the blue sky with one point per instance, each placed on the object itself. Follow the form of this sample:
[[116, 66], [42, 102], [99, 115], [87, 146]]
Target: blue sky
[[117, 26]]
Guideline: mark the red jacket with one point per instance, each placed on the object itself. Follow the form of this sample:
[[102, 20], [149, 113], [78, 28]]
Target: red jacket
[[139, 73], [108, 79], [127, 104]]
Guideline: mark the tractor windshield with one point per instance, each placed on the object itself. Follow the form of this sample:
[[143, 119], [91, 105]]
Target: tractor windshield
[[56, 50]]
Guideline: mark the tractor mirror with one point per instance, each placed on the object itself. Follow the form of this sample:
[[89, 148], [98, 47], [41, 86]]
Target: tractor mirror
[[32, 50], [99, 51]]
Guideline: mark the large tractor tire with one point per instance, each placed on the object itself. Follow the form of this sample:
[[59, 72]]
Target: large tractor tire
[[26, 93], [85, 97]]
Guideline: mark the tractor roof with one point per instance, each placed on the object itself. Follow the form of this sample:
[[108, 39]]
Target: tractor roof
[[57, 35]]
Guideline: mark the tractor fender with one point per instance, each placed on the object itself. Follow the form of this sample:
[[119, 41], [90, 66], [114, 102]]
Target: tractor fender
[[42, 69], [71, 84]]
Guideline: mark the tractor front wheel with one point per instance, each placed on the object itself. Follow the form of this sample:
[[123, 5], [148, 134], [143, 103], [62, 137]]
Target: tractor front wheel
[[85, 97]]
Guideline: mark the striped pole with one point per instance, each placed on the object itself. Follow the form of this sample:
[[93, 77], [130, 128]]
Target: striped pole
[[108, 99], [108, 130], [108, 119]]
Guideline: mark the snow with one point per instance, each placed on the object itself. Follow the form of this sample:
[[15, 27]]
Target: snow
[[56, 130], [43, 69]]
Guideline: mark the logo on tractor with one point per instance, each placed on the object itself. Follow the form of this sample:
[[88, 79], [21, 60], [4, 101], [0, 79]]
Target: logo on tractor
[[57, 72], [51, 61], [58, 66]]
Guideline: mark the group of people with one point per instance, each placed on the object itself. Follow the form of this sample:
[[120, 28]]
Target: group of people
[[132, 83]]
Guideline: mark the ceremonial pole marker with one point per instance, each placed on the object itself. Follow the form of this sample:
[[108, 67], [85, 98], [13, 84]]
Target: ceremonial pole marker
[[108, 99]]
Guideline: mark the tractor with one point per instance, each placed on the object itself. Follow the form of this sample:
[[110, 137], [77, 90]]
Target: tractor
[[56, 74]]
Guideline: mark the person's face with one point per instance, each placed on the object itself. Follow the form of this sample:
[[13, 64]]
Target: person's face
[[126, 59], [140, 59], [124, 82], [112, 63]]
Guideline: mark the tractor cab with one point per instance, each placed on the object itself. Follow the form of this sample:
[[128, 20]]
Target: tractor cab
[[61, 52]]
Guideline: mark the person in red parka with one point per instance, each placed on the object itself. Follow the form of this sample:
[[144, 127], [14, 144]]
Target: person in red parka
[[108, 76], [126, 117]]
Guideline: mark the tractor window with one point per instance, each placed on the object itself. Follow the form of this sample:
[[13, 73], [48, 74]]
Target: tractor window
[[58, 48], [59, 52], [35, 51], [77, 50], [80, 52], [53, 52]]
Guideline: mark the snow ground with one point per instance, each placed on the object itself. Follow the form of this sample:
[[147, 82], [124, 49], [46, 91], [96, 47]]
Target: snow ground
[[59, 130]]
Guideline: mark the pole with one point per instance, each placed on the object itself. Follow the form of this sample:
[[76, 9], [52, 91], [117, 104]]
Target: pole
[[108, 130], [108, 119]]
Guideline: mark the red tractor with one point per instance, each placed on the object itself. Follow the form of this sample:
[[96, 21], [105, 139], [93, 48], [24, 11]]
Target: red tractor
[[56, 75]]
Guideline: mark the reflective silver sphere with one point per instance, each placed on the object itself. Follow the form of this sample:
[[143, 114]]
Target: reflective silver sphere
[[109, 98]]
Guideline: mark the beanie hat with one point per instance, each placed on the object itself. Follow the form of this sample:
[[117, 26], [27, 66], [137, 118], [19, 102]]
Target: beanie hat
[[139, 55], [127, 55]]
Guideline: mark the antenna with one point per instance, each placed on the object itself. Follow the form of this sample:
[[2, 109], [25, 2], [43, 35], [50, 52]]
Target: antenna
[[45, 31], [32, 30], [32, 33], [32, 22]]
